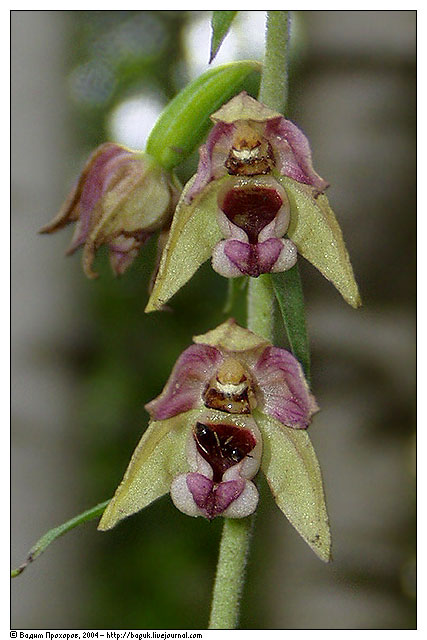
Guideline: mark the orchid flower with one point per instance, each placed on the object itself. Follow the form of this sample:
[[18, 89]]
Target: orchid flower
[[255, 184], [233, 403]]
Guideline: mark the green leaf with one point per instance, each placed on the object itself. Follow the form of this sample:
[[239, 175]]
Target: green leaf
[[55, 533], [221, 22], [318, 237], [193, 235], [288, 290], [185, 121], [158, 458], [293, 474]]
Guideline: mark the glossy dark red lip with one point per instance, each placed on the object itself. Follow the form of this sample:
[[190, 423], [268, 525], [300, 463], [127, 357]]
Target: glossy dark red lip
[[222, 445], [251, 208]]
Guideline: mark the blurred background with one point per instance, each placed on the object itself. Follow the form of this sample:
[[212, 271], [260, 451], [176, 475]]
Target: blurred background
[[86, 359]]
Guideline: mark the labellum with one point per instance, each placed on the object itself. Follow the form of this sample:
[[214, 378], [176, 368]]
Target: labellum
[[222, 446]]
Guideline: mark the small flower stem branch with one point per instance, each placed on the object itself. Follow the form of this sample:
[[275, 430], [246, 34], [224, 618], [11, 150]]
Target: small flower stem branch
[[230, 573]]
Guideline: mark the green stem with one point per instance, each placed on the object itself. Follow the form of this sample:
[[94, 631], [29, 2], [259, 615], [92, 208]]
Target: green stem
[[236, 533], [230, 573], [261, 306], [273, 93], [274, 81], [286, 286]]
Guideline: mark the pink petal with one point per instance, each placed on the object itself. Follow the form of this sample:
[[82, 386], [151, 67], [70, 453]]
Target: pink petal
[[94, 182], [284, 390], [294, 153], [213, 500], [200, 487], [123, 251], [268, 253], [188, 379], [236, 258], [226, 493], [242, 256], [205, 168]]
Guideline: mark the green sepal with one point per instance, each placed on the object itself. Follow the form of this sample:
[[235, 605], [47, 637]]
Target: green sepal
[[318, 237], [158, 458], [288, 291], [193, 235], [185, 121], [221, 23], [293, 474]]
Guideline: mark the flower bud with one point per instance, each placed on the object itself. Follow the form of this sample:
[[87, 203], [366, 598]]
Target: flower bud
[[120, 199]]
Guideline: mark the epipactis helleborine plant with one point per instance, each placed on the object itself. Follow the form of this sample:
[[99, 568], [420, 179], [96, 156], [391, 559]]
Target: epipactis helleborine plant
[[120, 199], [255, 183], [233, 403]]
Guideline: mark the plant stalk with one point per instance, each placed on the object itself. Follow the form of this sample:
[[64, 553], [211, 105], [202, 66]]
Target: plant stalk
[[236, 534], [273, 91], [230, 573]]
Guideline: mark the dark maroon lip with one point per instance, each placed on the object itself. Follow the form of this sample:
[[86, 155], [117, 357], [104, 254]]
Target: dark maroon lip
[[222, 445], [251, 208]]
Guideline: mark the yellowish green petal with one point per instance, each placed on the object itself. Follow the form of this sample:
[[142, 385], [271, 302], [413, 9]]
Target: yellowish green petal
[[293, 473], [193, 235], [318, 237], [158, 458]]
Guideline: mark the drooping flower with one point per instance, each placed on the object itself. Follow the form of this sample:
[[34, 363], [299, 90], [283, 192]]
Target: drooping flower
[[255, 183], [233, 403], [120, 199]]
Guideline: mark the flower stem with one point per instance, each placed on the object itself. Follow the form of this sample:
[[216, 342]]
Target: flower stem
[[230, 573], [236, 533], [274, 80], [273, 93], [260, 302]]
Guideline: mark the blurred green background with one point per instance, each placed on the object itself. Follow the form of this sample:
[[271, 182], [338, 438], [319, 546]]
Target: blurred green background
[[86, 358]]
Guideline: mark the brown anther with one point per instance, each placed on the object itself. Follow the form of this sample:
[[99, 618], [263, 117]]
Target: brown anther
[[250, 154]]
